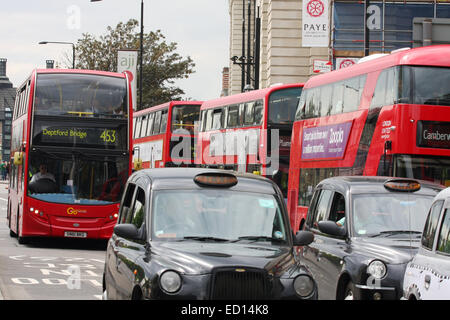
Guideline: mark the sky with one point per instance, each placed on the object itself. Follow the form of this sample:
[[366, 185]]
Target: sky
[[199, 27]]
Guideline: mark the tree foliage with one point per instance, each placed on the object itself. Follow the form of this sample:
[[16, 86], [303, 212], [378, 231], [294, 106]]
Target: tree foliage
[[162, 66]]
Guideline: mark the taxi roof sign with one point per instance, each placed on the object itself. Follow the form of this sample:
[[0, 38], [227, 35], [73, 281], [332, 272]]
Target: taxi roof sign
[[404, 185], [216, 179]]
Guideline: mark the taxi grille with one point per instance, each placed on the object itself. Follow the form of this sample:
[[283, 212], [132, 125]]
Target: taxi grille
[[237, 284]]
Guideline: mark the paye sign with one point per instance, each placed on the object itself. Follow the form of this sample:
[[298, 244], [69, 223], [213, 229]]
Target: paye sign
[[315, 23]]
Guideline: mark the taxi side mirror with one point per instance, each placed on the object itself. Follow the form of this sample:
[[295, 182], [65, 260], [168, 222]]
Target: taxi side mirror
[[127, 231], [303, 238], [331, 228], [18, 158]]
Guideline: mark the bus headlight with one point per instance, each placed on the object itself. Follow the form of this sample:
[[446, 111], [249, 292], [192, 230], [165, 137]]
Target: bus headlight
[[377, 269], [303, 285], [170, 281]]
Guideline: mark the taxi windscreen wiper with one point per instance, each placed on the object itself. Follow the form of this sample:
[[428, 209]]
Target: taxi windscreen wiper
[[200, 238], [394, 232], [256, 238]]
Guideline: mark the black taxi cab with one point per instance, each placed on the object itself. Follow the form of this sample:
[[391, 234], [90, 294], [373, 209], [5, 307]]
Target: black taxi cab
[[186, 233], [366, 230]]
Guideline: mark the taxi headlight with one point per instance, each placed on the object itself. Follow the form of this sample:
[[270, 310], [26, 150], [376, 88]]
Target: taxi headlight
[[303, 285], [170, 281], [377, 269]]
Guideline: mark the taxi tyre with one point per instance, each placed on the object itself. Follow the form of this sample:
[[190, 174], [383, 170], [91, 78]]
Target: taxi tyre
[[137, 294], [351, 292]]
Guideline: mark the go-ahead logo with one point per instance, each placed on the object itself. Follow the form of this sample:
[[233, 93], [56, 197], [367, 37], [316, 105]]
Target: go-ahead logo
[[315, 8], [71, 211]]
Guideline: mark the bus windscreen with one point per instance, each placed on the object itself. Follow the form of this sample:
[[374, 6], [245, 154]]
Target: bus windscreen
[[283, 105], [185, 117], [80, 95], [76, 178]]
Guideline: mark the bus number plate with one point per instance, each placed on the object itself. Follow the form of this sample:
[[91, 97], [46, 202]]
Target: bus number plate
[[72, 234]]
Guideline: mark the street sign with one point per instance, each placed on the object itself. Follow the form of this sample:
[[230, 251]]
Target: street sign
[[127, 61], [315, 23], [321, 66], [345, 62]]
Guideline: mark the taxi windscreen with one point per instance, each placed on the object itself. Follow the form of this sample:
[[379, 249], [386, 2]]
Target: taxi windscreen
[[389, 214], [217, 214]]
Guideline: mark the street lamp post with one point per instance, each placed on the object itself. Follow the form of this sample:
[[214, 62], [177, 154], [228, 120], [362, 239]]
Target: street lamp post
[[141, 37], [62, 42]]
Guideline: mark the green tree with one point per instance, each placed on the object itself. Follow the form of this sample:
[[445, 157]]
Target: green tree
[[162, 66]]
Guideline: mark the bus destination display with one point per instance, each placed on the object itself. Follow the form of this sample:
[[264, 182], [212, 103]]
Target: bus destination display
[[110, 138]]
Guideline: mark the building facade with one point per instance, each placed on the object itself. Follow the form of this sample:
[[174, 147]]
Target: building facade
[[292, 40], [7, 98]]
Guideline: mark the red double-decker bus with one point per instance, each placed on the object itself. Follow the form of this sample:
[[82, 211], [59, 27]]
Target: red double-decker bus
[[71, 153], [388, 116], [165, 135], [250, 132]]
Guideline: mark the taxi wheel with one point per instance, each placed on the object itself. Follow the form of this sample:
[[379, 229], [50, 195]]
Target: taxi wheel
[[350, 292]]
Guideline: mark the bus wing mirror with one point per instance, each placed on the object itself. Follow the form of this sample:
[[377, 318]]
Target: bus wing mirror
[[18, 158], [137, 164]]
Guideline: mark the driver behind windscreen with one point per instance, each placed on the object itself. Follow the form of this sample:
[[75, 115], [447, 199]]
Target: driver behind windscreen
[[42, 174]]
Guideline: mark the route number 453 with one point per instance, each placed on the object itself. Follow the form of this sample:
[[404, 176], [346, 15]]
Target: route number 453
[[108, 136]]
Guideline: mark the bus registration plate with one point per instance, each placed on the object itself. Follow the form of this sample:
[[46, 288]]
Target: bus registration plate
[[72, 234]]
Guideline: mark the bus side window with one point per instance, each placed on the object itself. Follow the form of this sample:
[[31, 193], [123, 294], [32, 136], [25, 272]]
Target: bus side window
[[351, 88], [137, 131], [164, 121], [249, 116], [233, 116], [379, 95], [217, 119], [326, 101], [338, 98], [144, 125], [241, 114], [259, 108], [311, 108], [151, 118], [157, 122], [209, 119]]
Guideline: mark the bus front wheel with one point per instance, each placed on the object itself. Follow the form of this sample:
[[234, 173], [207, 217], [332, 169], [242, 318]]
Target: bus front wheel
[[21, 240]]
